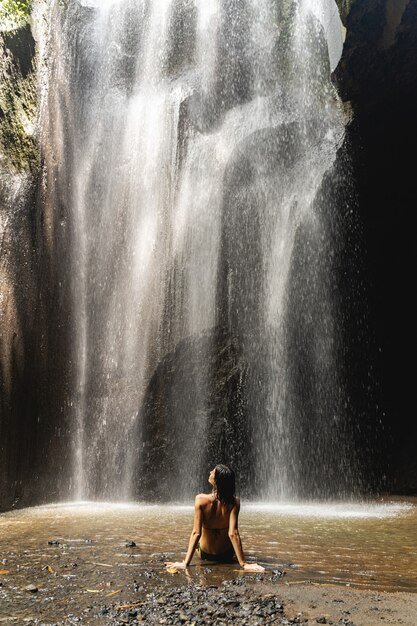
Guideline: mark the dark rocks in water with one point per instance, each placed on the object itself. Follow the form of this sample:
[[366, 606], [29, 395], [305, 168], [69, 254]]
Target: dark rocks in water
[[53, 542], [130, 544], [235, 582], [159, 557]]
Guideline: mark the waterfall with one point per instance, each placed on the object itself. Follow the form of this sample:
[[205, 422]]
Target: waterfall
[[186, 144]]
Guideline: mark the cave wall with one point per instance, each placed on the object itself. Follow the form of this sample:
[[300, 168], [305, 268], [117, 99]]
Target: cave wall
[[34, 317], [378, 76]]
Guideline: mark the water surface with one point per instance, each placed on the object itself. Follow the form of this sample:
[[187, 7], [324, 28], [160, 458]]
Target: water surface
[[368, 546]]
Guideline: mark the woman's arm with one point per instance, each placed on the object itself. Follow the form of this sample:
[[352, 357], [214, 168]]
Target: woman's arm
[[194, 537], [196, 532], [236, 541], [234, 533]]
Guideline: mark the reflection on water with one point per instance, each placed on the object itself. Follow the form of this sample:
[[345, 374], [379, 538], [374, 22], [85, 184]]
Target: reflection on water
[[371, 546]]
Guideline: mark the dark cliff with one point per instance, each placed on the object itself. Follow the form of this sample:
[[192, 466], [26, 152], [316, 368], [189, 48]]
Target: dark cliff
[[378, 75], [34, 319]]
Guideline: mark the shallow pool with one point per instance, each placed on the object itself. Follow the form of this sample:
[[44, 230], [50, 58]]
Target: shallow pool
[[366, 545]]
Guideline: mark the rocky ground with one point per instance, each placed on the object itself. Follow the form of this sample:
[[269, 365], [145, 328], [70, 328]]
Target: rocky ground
[[238, 603], [246, 600]]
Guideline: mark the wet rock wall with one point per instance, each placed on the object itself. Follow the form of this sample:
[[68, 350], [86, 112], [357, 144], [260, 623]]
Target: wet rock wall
[[378, 76], [34, 319]]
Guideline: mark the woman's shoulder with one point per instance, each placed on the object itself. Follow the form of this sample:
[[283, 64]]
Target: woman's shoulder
[[203, 498]]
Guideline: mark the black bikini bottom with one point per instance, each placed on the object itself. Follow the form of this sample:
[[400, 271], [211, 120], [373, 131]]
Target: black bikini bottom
[[224, 557]]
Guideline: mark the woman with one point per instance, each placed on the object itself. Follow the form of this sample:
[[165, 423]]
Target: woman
[[215, 535]]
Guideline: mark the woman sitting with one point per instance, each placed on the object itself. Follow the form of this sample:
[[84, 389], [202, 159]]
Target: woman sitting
[[215, 535]]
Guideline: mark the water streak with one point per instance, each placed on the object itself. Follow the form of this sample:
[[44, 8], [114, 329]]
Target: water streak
[[186, 144]]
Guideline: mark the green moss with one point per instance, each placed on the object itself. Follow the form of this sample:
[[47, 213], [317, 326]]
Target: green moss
[[14, 13], [344, 8], [18, 104]]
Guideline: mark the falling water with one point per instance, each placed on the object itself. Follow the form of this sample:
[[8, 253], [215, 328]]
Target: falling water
[[186, 144]]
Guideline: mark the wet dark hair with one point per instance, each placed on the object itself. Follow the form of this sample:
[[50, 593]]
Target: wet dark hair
[[224, 478]]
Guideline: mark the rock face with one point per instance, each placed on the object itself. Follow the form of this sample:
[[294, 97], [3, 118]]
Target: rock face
[[33, 338], [172, 421], [378, 75], [18, 100]]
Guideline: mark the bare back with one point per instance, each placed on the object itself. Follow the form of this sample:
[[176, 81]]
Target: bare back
[[216, 523]]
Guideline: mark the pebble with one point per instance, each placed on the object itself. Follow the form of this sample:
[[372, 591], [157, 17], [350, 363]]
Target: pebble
[[235, 602]]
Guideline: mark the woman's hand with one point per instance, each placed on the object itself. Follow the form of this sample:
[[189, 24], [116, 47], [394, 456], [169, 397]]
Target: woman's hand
[[177, 564], [253, 567]]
